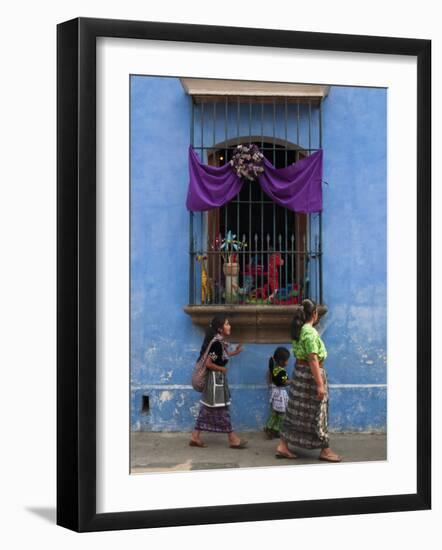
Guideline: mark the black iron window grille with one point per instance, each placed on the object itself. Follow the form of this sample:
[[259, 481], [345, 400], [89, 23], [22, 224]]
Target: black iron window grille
[[280, 259]]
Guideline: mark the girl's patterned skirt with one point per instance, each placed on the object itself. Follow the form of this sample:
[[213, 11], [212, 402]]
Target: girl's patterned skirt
[[214, 419], [278, 403]]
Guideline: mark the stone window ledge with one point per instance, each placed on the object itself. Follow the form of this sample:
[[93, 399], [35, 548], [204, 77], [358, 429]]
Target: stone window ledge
[[251, 324]]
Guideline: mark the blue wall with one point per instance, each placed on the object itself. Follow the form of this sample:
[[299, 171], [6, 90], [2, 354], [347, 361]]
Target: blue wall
[[165, 343], [355, 262]]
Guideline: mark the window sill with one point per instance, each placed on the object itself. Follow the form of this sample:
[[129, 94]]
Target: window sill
[[251, 324]]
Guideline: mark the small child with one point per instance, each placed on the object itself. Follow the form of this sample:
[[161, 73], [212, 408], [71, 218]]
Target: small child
[[278, 379]]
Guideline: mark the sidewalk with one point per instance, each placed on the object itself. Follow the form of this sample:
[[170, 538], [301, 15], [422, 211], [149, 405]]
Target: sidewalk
[[157, 452]]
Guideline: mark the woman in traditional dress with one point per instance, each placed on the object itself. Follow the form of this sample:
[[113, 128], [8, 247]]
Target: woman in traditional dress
[[305, 422], [214, 415]]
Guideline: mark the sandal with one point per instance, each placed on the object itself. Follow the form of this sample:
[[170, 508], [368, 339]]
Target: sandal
[[241, 445], [332, 457], [194, 443], [279, 454]]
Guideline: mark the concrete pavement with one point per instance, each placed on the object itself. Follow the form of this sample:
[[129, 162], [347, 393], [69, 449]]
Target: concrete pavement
[[170, 451]]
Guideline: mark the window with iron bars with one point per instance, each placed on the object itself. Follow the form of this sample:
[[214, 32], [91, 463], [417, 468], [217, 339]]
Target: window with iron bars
[[281, 262]]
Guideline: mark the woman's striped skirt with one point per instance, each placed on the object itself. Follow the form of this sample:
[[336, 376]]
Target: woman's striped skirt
[[306, 419]]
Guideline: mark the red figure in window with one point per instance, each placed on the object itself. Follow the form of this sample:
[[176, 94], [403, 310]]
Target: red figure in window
[[275, 262]]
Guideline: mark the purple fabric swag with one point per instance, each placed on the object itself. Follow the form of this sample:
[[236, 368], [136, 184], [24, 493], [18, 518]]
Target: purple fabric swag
[[296, 187]]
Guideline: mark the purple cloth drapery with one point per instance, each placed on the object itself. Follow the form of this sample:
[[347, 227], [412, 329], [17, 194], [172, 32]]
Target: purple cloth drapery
[[296, 187]]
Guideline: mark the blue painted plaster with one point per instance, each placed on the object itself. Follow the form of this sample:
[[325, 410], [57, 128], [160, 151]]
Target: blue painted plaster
[[165, 343], [354, 237], [351, 409]]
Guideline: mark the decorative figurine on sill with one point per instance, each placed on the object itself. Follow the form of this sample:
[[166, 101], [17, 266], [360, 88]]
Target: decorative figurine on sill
[[244, 291], [275, 262], [254, 268], [290, 295], [206, 282], [260, 293], [229, 249], [296, 293]]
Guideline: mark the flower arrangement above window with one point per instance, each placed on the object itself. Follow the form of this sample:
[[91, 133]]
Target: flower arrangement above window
[[247, 162]]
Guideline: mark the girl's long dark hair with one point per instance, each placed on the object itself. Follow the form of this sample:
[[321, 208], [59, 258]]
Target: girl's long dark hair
[[280, 355], [302, 316], [216, 324]]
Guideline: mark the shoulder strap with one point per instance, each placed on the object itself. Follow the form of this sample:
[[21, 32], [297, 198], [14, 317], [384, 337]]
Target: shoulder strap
[[206, 353]]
